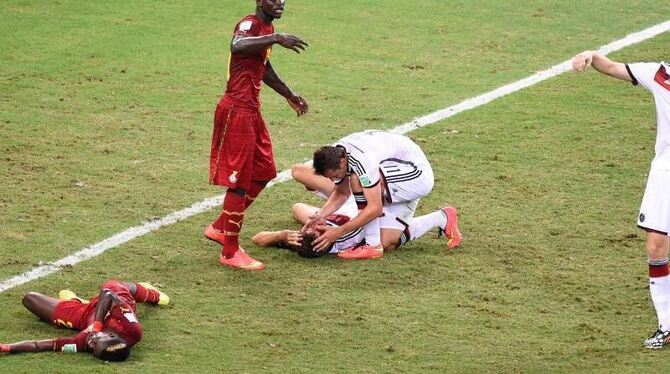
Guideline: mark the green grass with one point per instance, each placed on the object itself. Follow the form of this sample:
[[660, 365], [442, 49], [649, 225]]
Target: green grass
[[105, 121]]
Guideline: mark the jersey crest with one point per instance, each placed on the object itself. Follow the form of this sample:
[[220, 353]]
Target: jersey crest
[[245, 26]]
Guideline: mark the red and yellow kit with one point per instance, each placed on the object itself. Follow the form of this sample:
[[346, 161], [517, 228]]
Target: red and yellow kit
[[241, 148]]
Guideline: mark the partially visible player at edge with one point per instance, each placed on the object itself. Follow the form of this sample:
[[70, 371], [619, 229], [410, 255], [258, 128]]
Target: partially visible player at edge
[[241, 156], [654, 215], [107, 323]]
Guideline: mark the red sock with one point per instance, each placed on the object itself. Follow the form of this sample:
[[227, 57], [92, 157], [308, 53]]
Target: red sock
[[658, 271], [144, 295], [233, 215], [254, 191]]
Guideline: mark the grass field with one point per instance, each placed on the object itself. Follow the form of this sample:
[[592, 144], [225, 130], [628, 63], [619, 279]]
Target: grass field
[[105, 122]]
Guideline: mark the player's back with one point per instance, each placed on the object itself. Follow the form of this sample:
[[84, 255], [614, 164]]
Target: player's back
[[382, 145]]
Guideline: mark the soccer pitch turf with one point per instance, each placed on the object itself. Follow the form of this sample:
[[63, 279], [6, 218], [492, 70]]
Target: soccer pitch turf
[[105, 122]]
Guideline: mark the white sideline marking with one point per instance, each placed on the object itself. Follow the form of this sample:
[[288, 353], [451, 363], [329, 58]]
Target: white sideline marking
[[207, 204]]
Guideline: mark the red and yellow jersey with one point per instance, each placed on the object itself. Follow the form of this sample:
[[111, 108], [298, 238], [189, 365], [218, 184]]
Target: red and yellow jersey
[[246, 71]]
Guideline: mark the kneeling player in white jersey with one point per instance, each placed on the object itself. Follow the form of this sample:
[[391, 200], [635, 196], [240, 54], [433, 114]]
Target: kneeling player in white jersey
[[654, 216], [387, 174], [392, 231]]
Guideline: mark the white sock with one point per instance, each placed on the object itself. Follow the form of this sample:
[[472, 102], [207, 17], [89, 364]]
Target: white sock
[[660, 296], [372, 233], [419, 226]]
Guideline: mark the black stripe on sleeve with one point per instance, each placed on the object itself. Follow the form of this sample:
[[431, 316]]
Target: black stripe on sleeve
[[634, 80]]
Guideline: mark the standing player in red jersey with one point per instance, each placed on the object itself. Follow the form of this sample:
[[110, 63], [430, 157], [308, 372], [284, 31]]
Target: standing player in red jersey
[[241, 156], [107, 323]]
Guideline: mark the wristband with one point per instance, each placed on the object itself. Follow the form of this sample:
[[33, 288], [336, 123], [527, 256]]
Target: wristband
[[97, 326]]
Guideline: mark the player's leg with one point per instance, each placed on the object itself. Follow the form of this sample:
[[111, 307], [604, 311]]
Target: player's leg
[[654, 218], [304, 174], [302, 212], [40, 305], [659, 286], [234, 162], [409, 182], [144, 292]]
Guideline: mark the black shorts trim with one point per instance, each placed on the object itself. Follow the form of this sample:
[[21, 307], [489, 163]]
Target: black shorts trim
[[647, 229]]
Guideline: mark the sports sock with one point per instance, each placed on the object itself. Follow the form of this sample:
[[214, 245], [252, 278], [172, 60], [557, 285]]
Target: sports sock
[[659, 287], [254, 191], [419, 226], [145, 295], [233, 215]]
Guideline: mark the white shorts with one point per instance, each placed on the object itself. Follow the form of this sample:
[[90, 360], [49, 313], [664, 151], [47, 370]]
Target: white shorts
[[397, 216], [407, 181], [655, 208]]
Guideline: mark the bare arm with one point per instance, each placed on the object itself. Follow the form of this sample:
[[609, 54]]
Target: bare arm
[[31, 346], [373, 210], [106, 301], [337, 198], [254, 44], [602, 64], [272, 238], [272, 79]]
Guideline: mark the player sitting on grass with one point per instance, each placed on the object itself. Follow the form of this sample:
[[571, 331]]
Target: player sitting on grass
[[108, 324], [393, 231]]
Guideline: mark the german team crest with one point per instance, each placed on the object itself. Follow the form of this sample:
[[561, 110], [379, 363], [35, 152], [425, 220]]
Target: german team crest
[[233, 177]]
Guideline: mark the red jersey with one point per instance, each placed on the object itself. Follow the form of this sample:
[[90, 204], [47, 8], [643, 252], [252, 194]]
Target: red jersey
[[72, 344], [246, 71]]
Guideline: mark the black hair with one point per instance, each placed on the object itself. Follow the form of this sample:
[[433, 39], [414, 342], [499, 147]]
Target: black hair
[[327, 158], [116, 350], [307, 246]]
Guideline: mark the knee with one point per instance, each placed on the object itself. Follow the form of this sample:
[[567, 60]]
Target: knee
[[298, 172], [30, 299], [656, 252]]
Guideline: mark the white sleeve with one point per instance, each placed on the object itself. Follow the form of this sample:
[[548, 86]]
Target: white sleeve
[[643, 73], [365, 166]]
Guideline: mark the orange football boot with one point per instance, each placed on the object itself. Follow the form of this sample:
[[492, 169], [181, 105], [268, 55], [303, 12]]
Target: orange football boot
[[362, 252], [451, 229], [241, 260]]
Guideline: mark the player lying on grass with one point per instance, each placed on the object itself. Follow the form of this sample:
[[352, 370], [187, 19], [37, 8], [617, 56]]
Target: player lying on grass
[[393, 231], [654, 216], [387, 174], [107, 323]]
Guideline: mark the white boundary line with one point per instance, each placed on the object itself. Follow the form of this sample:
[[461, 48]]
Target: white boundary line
[[208, 204]]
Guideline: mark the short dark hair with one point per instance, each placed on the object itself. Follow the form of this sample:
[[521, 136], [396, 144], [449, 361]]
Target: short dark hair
[[116, 350], [307, 246], [327, 158]]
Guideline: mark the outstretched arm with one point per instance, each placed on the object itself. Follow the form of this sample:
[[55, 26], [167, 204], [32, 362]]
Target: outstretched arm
[[28, 346], [602, 64], [272, 79], [253, 44], [288, 238]]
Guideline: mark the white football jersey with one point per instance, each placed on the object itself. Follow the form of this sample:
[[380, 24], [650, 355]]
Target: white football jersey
[[655, 77], [367, 150]]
